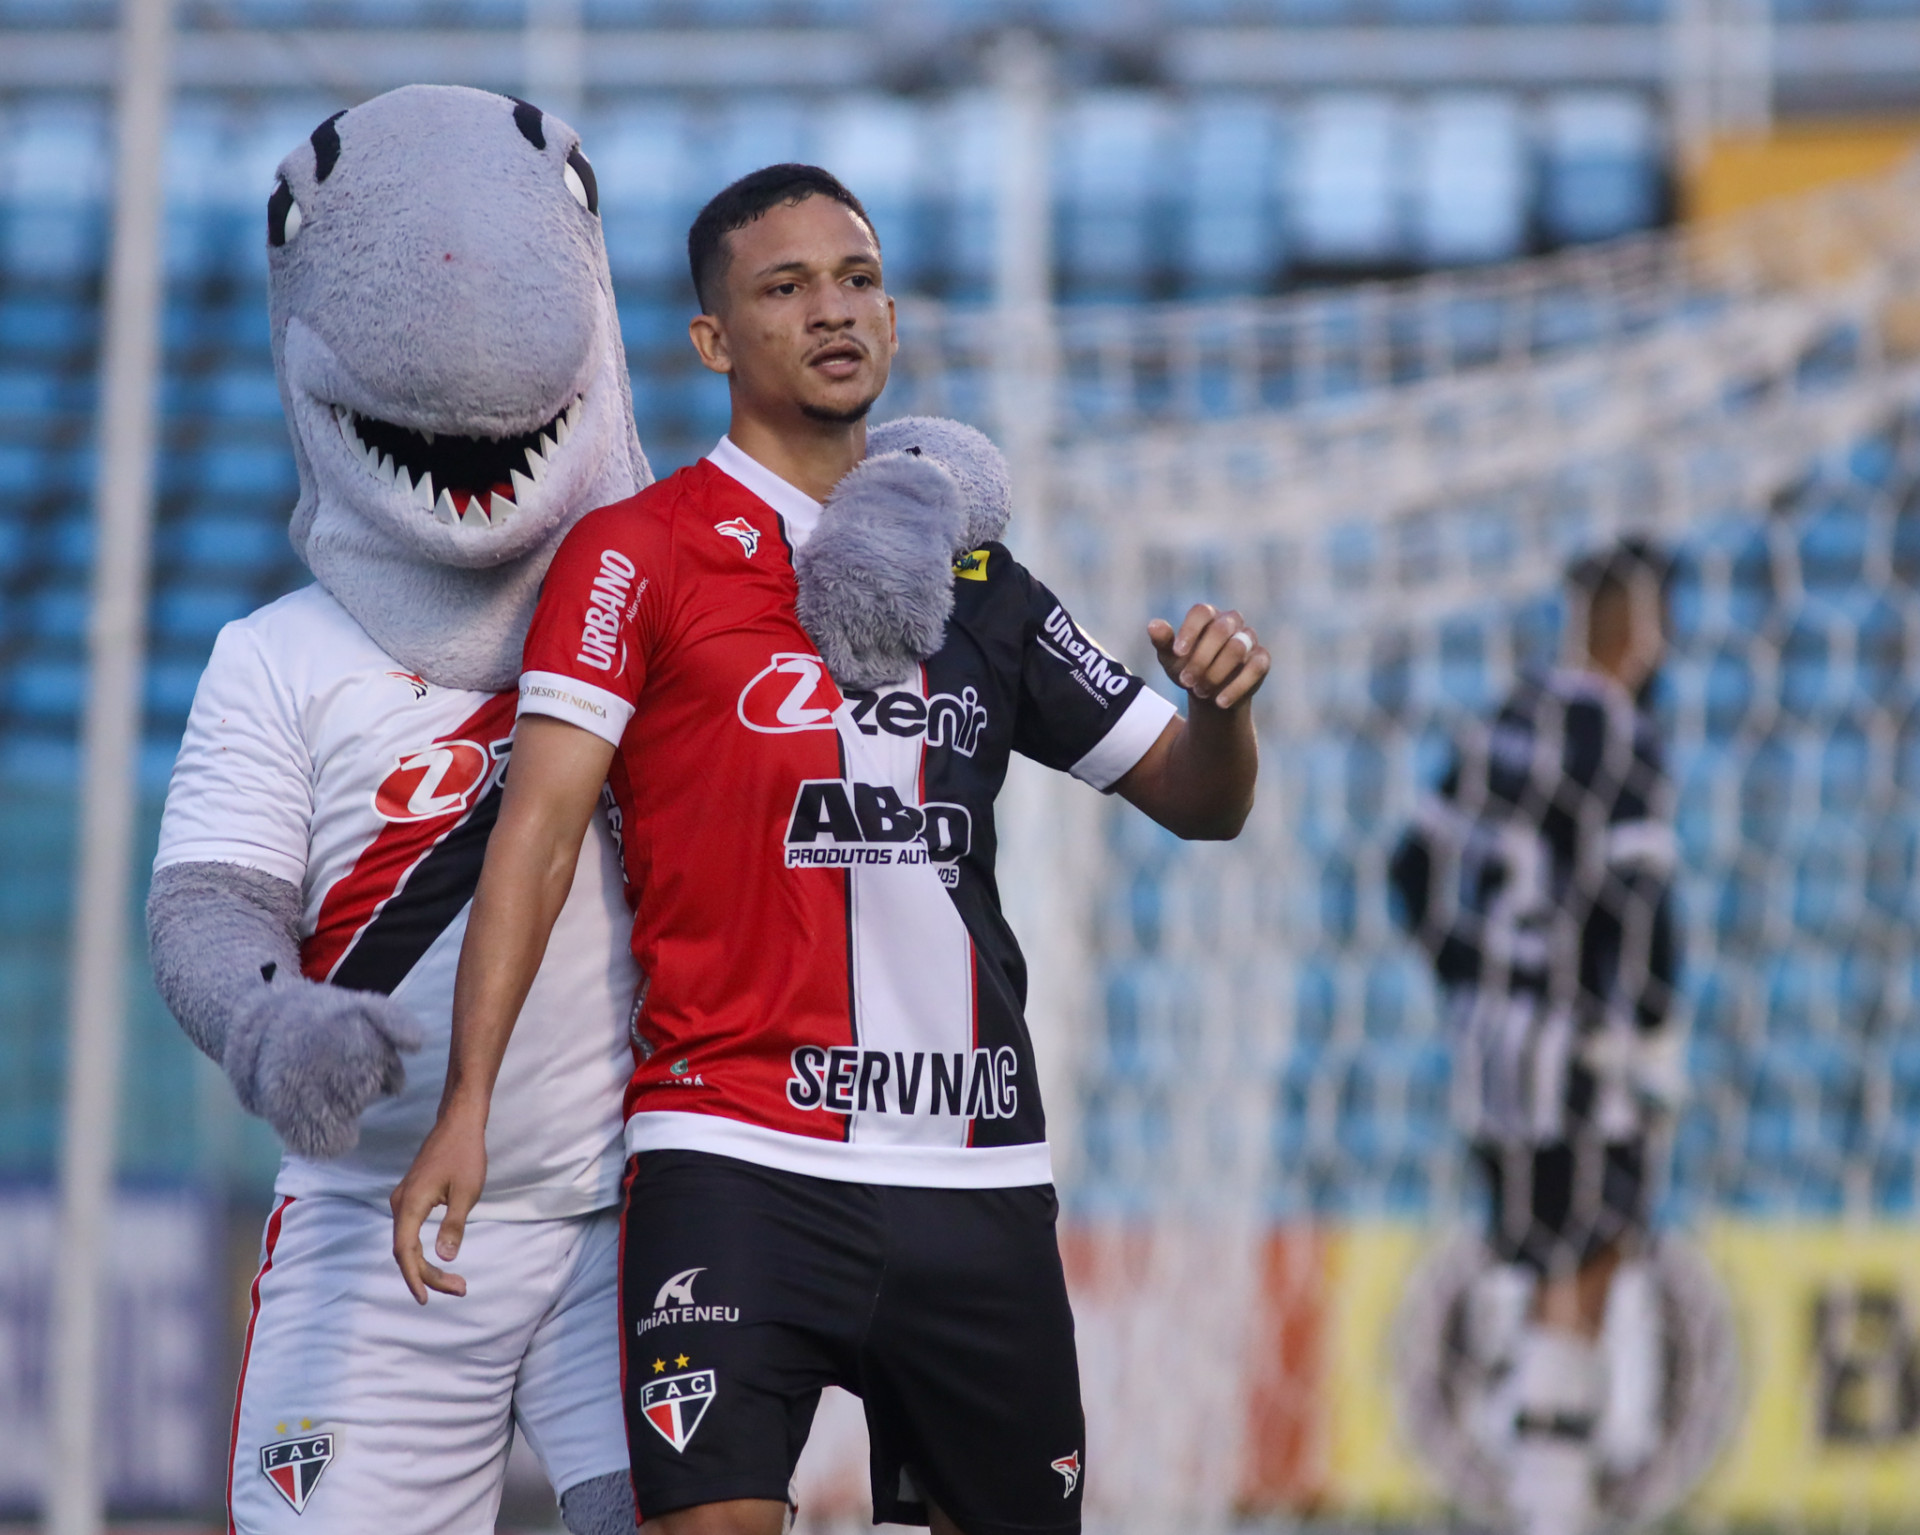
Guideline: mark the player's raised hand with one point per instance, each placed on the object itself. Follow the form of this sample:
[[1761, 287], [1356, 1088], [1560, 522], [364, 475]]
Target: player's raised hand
[[1213, 655], [451, 1170]]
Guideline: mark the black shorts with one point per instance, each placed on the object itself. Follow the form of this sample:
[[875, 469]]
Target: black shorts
[[744, 1291], [1557, 1207]]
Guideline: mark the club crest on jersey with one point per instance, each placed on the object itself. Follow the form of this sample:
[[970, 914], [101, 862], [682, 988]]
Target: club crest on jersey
[[1069, 1468], [675, 1405], [739, 528], [294, 1466], [791, 692], [438, 780]]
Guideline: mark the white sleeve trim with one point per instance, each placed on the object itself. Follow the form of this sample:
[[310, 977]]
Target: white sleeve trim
[[578, 703], [1126, 741]]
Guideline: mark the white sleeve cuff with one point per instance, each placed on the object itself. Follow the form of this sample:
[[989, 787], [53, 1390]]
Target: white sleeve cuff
[[578, 703], [1127, 741]]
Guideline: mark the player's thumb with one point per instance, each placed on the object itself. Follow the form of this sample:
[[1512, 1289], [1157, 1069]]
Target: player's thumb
[[453, 1225], [1160, 632]]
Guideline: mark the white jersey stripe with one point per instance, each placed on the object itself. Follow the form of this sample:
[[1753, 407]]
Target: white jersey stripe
[[911, 963]]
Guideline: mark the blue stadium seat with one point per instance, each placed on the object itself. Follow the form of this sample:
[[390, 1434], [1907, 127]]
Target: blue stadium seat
[[1231, 235], [1600, 171], [46, 325], [1845, 769], [194, 614], [45, 691], [1891, 867], [169, 693], [1833, 546], [1729, 692], [226, 544], [21, 471]]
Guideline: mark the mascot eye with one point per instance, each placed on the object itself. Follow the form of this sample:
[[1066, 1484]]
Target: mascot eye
[[283, 215], [580, 181]]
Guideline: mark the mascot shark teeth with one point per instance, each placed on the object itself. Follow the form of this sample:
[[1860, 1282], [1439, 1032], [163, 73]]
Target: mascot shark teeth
[[456, 392]]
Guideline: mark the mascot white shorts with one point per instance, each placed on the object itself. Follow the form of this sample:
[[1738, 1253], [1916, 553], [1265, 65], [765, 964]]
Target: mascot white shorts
[[359, 1410]]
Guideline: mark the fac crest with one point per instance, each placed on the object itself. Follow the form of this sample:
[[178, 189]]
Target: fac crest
[[675, 1405], [744, 531], [294, 1466]]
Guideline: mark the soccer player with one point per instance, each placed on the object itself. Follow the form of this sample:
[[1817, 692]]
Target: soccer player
[[1539, 878], [839, 1169]]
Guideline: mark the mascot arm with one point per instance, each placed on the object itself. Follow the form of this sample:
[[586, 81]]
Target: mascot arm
[[305, 1056]]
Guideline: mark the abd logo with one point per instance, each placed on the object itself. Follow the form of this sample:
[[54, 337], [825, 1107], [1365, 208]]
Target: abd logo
[[294, 1466], [675, 1405]]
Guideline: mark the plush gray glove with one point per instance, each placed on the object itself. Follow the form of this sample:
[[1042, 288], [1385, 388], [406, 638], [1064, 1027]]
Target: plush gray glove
[[305, 1056], [876, 578], [977, 466]]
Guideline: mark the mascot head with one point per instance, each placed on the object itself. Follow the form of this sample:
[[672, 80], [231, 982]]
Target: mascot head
[[450, 364]]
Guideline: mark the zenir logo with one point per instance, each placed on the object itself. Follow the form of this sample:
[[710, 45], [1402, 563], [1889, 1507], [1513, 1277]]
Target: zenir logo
[[944, 719]]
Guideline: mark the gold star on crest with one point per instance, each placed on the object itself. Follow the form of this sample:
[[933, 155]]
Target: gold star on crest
[[659, 1365], [681, 1361]]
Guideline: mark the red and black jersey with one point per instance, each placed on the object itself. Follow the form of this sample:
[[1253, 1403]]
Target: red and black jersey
[[831, 987]]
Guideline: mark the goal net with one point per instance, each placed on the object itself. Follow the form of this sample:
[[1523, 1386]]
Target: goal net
[[1272, 1226]]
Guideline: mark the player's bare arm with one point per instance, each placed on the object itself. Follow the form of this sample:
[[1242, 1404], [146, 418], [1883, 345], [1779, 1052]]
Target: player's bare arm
[[1197, 779], [549, 797]]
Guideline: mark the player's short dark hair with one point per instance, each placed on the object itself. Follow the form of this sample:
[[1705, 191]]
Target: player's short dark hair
[[1615, 569], [736, 206]]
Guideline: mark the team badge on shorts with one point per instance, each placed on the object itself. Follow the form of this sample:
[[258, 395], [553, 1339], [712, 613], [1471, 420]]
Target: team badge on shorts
[[1069, 1468], [294, 1466], [676, 1405]]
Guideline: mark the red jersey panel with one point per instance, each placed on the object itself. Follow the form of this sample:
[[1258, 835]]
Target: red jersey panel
[[830, 985]]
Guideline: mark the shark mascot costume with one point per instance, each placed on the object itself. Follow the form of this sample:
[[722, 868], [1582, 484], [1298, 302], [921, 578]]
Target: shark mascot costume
[[456, 391]]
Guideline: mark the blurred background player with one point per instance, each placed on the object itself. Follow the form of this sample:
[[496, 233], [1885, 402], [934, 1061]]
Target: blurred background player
[[1538, 877]]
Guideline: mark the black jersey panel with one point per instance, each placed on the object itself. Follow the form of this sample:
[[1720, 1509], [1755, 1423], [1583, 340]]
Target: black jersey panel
[[1072, 692], [1015, 673]]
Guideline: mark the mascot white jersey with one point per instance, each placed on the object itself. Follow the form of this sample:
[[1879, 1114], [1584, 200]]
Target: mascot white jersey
[[456, 391]]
